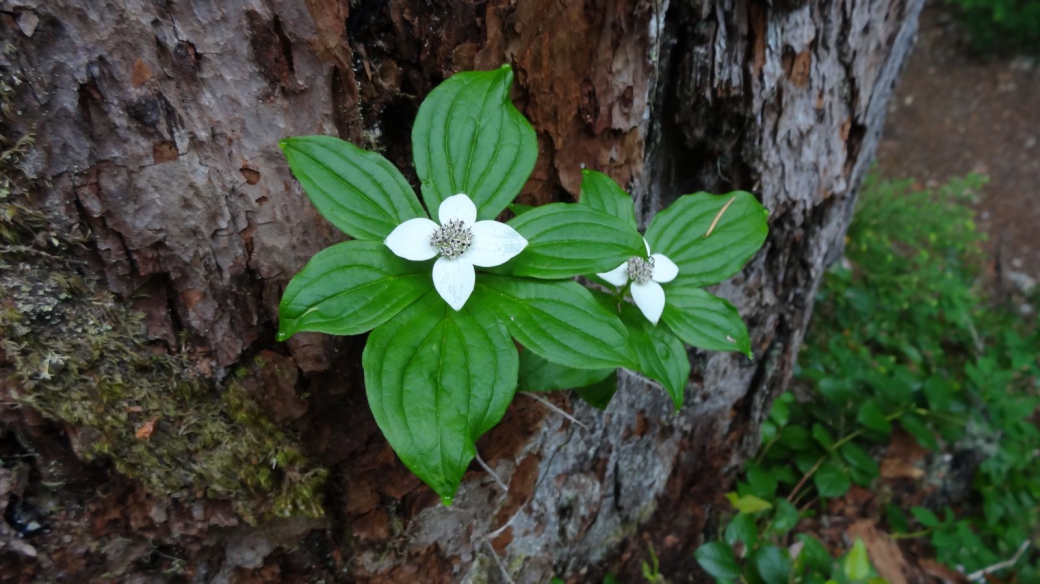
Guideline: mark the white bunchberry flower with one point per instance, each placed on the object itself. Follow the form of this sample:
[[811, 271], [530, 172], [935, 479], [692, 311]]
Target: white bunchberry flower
[[461, 241], [646, 276]]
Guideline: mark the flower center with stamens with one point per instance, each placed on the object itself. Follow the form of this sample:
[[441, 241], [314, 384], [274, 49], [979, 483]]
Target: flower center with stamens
[[452, 239], [640, 270]]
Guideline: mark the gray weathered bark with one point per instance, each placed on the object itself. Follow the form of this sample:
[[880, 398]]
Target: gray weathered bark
[[156, 125]]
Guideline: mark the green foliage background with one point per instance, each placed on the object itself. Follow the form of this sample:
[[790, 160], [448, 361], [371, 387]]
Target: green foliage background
[[905, 335], [1004, 24]]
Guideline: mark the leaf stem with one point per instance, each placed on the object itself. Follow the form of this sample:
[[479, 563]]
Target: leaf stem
[[832, 450], [805, 477], [493, 474], [498, 560], [912, 535], [765, 450], [553, 407]]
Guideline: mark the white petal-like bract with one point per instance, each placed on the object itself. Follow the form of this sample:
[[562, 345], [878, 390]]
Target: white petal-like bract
[[665, 269], [454, 280], [411, 239], [618, 276], [494, 244], [457, 208], [649, 297]]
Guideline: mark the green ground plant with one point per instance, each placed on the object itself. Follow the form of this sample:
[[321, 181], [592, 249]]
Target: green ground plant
[[904, 336], [1002, 24]]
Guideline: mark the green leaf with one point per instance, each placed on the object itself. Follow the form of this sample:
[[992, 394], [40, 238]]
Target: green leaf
[[871, 415], [557, 580], [859, 458], [762, 483], [600, 192], [742, 528], [771, 564], [595, 386], [822, 436], [560, 321], [916, 427], [519, 209], [786, 517], [857, 564], [897, 388], [717, 559], [748, 503], [807, 459], [940, 393], [679, 231], [860, 477], [835, 391], [468, 138], [831, 480], [565, 240], [660, 354], [769, 431], [925, 517], [780, 412], [350, 288], [896, 519], [992, 507], [814, 555], [437, 380], [795, 438], [538, 374], [599, 394], [358, 191], [785, 474], [705, 321]]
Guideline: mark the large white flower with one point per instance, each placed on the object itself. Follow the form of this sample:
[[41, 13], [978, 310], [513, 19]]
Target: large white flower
[[461, 241], [646, 275]]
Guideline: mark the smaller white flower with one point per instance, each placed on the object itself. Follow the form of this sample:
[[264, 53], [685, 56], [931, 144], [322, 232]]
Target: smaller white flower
[[646, 275], [461, 241]]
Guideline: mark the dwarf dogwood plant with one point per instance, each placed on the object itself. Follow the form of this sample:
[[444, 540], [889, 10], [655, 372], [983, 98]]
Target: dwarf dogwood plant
[[699, 240], [448, 293]]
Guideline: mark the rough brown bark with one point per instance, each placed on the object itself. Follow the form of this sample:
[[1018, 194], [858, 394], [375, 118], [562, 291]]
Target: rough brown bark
[[157, 122]]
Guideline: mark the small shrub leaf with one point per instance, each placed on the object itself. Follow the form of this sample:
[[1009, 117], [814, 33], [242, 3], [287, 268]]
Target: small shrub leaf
[[717, 559]]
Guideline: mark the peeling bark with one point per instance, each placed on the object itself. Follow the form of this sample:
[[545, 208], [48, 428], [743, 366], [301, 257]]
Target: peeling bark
[[157, 125]]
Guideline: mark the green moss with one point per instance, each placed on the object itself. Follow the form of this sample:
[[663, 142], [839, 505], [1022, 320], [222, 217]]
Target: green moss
[[70, 350]]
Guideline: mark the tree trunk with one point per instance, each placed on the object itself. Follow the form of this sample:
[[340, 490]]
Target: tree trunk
[[156, 125]]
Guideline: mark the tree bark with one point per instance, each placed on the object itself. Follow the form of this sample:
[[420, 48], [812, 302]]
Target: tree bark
[[156, 126]]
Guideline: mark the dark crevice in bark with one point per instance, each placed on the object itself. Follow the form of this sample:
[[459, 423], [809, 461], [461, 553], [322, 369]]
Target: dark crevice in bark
[[271, 48], [284, 43], [668, 158], [342, 108]]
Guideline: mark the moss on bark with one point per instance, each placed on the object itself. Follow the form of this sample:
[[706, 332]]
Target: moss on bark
[[75, 353]]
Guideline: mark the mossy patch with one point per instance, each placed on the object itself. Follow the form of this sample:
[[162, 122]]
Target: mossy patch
[[72, 351]]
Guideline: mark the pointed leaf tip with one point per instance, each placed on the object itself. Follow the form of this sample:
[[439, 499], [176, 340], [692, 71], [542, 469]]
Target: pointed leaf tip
[[447, 501], [360, 192], [492, 150], [425, 358]]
